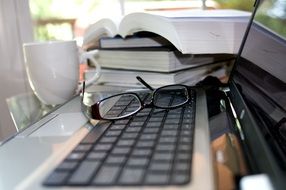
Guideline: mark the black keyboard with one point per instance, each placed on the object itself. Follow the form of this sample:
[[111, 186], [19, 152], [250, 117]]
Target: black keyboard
[[153, 147]]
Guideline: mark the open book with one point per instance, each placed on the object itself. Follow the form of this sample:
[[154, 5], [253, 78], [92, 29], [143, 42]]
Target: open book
[[191, 32]]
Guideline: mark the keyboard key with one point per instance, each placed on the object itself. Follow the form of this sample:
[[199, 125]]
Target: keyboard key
[[185, 140], [186, 126], [115, 160], [160, 167], [164, 157], [182, 156], [102, 147], [112, 133], [189, 110], [187, 116], [125, 142], [56, 178], [84, 173], [172, 121], [83, 148], [145, 144], [76, 156], [146, 110], [106, 175], [186, 121], [142, 114], [173, 116], [113, 113], [137, 162], [142, 152], [67, 165], [121, 121], [182, 167], [139, 118], [156, 179], [117, 127], [151, 130], [133, 129], [156, 119], [171, 126], [167, 140], [121, 150], [131, 176], [153, 124], [159, 114], [184, 148], [171, 133], [180, 178], [96, 155], [185, 133], [129, 135], [148, 137], [108, 139], [175, 111], [165, 148], [136, 124]]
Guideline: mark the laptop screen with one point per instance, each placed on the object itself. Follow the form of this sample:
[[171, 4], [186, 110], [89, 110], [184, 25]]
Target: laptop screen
[[261, 67], [261, 64], [265, 44]]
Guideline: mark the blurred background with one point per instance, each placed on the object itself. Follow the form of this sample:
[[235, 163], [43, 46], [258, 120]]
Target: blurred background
[[51, 21], [67, 19]]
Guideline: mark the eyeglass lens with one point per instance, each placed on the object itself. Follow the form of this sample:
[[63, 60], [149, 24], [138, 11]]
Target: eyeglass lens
[[119, 106], [124, 105], [170, 96]]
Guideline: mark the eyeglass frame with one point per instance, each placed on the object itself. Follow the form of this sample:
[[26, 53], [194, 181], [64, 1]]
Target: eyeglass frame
[[92, 112]]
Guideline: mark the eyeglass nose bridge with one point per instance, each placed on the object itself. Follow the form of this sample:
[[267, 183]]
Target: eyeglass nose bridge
[[149, 104]]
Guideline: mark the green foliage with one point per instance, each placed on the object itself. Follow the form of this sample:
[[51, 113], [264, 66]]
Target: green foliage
[[274, 24], [48, 9], [40, 8], [53, 32], [245, 5]]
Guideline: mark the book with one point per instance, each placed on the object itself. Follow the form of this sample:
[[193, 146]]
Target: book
[[118, 42], [156, 79], [191, 32], [154, 59]]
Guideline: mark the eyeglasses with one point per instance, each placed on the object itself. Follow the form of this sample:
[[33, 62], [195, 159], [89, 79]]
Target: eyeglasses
[[113, 107]]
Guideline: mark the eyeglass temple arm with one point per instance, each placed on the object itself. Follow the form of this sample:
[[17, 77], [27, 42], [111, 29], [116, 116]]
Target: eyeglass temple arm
[[144, 83], [83, 91]]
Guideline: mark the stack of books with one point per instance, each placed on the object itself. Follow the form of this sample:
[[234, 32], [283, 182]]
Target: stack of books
[[165, 48]]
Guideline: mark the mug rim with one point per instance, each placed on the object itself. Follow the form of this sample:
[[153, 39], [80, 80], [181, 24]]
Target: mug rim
[[47, 43]]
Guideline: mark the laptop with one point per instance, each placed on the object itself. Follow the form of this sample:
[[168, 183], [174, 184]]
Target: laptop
[[32, 158]]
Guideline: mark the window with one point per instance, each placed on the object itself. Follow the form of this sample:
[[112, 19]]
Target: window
[[51, 21]]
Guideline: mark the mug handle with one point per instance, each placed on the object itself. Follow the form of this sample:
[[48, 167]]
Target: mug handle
[[90, 55]]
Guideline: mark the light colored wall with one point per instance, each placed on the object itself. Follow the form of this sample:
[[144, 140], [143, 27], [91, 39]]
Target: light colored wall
[[15, 28]]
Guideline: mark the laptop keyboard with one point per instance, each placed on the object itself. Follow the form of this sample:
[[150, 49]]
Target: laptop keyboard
[[153, 147]]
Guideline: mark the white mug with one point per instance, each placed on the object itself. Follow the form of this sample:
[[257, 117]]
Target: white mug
[[53, 69]]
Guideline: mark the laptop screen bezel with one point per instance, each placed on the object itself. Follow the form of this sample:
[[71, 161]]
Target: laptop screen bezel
[[244, 39]]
